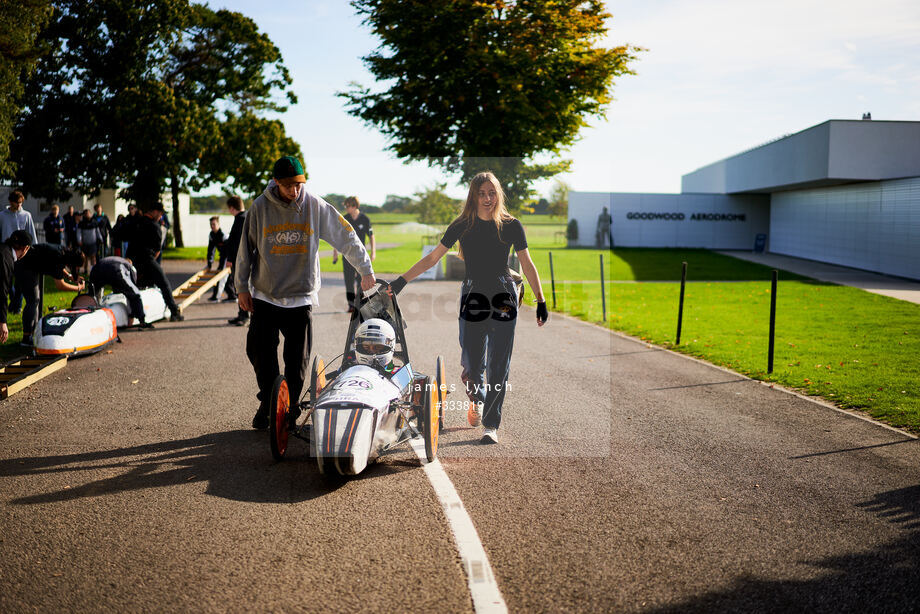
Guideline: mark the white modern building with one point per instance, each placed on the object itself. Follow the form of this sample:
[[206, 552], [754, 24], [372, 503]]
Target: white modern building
[[843, 192]]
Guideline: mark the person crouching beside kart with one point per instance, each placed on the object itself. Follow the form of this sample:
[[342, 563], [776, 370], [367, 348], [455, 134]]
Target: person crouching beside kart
[[121, 275], [488, 296], [277, 276], [61, 264]]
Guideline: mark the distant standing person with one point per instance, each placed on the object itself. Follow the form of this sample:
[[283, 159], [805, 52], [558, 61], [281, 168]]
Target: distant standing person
[[54, 226], [88, 237], [143, 249], [71, 219], [105, 230], [13, 249], [61, 264], [164, 235], [15, 218], [362, 225], [278, 277], [604, 230], [216, 241], [232, 245]]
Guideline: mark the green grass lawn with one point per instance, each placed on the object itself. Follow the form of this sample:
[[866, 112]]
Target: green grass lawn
[[857, 349]]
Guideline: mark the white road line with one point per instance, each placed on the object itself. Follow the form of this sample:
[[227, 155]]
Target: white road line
[[479, 576]]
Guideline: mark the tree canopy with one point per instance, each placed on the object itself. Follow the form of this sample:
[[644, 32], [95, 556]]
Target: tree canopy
[[148, 94], [473, 85], [19, 50], [433, 206]]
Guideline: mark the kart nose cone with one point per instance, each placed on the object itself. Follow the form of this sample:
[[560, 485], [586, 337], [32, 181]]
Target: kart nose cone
[[344, 435]]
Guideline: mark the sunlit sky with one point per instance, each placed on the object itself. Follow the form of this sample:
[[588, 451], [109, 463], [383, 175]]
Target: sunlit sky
[[718, 77]]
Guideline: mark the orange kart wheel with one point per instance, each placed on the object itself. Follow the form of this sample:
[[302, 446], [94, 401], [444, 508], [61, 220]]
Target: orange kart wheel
[[428, 421], [441, 381], [278, 418], [317, 378]]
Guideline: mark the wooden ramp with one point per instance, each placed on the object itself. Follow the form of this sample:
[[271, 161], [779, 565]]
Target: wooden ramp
[[197, 284], [26, 370]]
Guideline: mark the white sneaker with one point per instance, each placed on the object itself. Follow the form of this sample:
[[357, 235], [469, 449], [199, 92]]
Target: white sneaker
[[474, 414], [489, 436]]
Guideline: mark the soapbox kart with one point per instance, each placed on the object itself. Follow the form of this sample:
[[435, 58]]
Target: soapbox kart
[[351, 415], [82, 329]]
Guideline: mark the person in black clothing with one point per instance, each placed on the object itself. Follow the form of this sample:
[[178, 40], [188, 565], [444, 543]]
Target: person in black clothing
[[216, 241], [54, 226], [127, 229], [121, 275], [164, 233], [15, 247], [232, 246], [144, 247], [105, 230], [71, 219], [362, 225], [45, 259], [488, 296]]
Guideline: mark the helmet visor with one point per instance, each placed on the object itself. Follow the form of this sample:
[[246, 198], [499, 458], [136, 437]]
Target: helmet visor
[[372, 347]]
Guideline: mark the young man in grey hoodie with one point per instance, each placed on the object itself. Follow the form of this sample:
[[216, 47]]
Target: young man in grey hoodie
[[277, 275]]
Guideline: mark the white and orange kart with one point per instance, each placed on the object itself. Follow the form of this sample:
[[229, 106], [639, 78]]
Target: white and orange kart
[[351, 415], [83, 329]]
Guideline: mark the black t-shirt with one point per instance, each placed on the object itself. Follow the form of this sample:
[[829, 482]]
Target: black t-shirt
[[362, 226], [46, 259], [485, 251], [145, 241]]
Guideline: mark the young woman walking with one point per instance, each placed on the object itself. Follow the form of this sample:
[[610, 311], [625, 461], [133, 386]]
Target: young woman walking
[[488, 296]]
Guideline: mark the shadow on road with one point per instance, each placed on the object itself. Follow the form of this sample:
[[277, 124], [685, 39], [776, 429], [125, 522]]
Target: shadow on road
[[236, 465], [880, 579]]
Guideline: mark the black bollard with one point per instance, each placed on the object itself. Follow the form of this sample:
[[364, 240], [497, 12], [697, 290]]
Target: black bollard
[[680, 307], [603, 290], [772, 321], [552, 279]]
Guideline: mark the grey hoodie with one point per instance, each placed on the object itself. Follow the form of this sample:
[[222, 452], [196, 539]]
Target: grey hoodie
[[278, 253]]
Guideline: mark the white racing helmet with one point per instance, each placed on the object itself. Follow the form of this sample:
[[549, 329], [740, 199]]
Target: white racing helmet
[[375, 341]]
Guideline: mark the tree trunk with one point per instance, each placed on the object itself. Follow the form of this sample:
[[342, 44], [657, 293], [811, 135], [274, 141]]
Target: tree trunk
[[177, 222]]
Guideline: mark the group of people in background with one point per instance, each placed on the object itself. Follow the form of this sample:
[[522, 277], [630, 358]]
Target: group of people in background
[[124, 257], [93, 233]]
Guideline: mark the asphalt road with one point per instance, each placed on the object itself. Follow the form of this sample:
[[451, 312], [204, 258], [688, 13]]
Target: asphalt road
[[627, 479]]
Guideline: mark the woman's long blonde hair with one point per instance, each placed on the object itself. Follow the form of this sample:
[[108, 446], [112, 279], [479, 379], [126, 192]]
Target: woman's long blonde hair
[[470, 211]]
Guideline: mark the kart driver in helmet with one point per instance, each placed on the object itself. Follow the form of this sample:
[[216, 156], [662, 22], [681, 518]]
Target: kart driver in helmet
[[375, 342]]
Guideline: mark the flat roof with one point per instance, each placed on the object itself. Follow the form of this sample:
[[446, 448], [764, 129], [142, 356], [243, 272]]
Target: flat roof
[[834, 152]]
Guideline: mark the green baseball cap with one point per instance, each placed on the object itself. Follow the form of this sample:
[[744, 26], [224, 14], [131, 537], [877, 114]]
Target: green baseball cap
[[289, 167]]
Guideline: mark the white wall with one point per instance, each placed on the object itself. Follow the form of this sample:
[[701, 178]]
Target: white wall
[[632, 226], [873, 226], [196, 227]]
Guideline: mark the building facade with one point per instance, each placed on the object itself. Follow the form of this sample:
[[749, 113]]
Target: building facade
[[842, 192]]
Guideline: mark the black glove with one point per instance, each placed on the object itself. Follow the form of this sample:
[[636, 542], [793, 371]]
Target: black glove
[[398, 284], [542, 313]]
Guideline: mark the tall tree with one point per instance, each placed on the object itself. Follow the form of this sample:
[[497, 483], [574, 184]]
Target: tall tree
[[559, 199], [433, 206], [19, 50], [487, 84], [151, 94]]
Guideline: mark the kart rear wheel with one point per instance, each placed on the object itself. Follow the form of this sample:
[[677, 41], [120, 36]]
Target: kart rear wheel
[[441, 381], [428, 420], [317, 378], [278, 418]]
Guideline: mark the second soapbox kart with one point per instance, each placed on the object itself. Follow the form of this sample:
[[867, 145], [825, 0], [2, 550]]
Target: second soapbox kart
[[352, 414]]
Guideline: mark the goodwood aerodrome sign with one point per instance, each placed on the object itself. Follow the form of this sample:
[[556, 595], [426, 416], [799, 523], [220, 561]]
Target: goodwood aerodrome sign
[[679, 217]]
